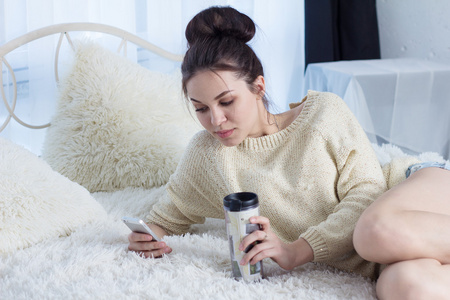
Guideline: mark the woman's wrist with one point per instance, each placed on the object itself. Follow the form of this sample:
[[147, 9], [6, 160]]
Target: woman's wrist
[[158, 230], [303, 253]]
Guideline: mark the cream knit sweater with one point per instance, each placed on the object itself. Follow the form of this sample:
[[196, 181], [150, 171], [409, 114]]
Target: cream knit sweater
[[313, 179]]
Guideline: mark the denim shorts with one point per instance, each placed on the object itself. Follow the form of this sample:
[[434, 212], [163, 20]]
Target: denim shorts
[[419, 166]]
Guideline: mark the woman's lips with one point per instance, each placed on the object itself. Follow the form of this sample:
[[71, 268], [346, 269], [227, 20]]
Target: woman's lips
[[224, 133]]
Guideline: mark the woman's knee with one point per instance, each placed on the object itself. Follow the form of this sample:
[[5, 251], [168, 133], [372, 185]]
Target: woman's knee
[[398, 281], [379, 232], [371, 232], [409, 280]]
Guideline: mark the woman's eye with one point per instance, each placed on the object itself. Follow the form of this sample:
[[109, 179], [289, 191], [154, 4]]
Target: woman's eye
[[201, 109], [226, 103]]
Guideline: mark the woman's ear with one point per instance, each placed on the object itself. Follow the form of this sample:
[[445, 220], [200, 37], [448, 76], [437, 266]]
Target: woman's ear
[[260, 86]]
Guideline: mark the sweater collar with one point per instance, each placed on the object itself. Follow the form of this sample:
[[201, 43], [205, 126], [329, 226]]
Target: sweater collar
[[274, 140]]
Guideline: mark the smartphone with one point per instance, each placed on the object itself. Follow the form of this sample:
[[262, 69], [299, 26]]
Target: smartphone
[[137, 225]]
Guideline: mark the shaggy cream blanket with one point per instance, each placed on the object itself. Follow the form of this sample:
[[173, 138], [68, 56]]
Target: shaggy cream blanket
[[93, 263]]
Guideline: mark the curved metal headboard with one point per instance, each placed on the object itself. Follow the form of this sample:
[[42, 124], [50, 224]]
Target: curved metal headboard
[[63, 30]]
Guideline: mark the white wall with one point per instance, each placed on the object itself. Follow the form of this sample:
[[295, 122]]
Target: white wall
[[415, 28]]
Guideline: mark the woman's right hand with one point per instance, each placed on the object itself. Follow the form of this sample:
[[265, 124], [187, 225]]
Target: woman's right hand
[[144, 244]]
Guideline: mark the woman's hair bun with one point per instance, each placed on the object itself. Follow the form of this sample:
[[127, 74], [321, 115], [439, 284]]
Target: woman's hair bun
[[220, 22]]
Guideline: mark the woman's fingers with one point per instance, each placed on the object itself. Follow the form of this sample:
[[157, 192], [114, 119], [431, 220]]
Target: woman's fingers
[[267, 252], [144, 244], [139, 237], [155, 253], [152, 249], [258, 235], [149, 246], [262, 221], [260, 243], [258, 253]]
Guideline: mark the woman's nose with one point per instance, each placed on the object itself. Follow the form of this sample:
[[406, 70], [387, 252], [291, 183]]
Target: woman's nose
[[217, 117]]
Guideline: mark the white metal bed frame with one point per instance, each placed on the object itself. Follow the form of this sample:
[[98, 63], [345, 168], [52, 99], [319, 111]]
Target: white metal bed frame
[[63, 30]]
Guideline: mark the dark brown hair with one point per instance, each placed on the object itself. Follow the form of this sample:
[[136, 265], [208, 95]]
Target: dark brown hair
[[217, 41]]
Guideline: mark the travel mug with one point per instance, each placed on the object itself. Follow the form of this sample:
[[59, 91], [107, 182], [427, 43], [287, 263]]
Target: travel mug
[[239, 207]]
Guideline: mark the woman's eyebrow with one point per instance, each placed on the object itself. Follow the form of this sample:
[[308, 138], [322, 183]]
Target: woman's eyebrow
[[215, 98], [222, 94]]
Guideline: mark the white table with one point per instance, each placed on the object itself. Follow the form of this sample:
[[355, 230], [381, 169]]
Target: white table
[[405, 102]]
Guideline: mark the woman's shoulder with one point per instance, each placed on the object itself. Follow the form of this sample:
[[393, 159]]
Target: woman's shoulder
[[202, 142], [312, 111], [328, 114], [324, 106], [198, 152], [323, 100]]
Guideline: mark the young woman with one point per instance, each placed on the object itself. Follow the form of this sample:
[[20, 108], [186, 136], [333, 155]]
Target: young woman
[[312, 167]]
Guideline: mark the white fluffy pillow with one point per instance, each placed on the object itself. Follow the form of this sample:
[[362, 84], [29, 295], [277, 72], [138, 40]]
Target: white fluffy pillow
[[36, 202], [117, 124]]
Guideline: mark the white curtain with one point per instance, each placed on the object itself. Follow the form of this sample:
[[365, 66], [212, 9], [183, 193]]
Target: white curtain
[[279, 44]]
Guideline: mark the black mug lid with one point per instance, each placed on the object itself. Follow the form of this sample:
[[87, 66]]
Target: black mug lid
[[240, 201]]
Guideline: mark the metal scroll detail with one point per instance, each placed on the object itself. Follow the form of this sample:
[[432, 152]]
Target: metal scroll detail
[[11, 105], [63, 30], [10, 108]]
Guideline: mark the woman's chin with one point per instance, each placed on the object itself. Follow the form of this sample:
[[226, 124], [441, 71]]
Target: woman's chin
[[230, 142]]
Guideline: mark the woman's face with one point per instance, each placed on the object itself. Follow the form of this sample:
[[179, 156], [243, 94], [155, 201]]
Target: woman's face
[[226, 107]]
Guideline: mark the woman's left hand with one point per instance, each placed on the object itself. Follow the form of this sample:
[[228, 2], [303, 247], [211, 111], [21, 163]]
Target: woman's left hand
[[287, 256]]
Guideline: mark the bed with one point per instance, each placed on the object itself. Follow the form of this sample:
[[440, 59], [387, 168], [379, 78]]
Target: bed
[[115, 138]]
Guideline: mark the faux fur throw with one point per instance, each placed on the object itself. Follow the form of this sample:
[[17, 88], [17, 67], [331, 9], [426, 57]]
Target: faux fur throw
[[37, 203], [93, 262]]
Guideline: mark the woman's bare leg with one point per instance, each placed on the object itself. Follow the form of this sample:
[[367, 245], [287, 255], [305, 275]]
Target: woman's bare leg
[[415, 279], [410, 221], [408, 227]]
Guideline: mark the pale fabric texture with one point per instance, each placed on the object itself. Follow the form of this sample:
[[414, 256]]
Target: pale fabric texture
[[395, 172], [37, 203], [313, 179], [117, 124], [93, 262]]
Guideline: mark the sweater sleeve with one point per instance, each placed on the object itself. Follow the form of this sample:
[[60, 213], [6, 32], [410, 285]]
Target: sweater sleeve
[[167, 215], [360, 181], [187, 199], [395, 171]]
